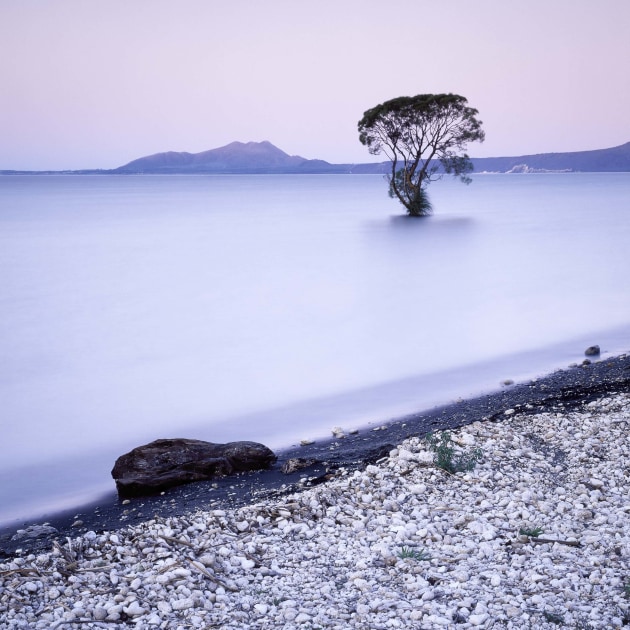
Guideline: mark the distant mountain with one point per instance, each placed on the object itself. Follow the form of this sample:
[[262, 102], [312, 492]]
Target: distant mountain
[[616, 159], [264, 157], [236, 157]]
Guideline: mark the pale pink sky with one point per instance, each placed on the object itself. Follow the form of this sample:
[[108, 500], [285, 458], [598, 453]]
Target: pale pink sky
[[97, 84]]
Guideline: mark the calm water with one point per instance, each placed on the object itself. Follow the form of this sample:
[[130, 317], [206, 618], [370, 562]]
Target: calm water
[[273, 308]]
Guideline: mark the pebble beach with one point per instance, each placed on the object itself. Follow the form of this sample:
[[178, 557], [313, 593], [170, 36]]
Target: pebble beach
[[535, 535]]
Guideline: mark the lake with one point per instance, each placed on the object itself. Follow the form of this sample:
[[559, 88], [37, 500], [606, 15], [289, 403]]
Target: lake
[[273, 308]]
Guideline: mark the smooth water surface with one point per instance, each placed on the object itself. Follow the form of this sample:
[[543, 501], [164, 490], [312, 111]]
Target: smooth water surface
[[273, 308]]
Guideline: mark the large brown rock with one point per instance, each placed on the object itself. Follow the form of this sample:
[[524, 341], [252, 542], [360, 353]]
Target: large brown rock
[[165, 463]]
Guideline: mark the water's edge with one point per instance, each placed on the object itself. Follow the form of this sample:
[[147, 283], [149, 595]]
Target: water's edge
[[559, 391]]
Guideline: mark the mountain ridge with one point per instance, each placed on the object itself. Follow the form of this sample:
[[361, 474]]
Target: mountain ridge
[[614, 159], [264, 157]]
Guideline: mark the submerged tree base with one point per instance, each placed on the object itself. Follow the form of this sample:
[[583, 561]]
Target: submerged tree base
[[420, 206], [415, 199]]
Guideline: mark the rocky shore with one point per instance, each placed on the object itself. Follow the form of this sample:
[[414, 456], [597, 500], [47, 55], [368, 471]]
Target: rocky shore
[[374, 535]]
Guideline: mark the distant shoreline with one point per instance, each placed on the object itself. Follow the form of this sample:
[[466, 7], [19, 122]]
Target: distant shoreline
[[559, 391], [263, 158], [113, 173]]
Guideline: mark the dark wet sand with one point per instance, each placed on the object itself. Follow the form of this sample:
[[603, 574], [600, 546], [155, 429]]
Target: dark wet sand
[[560, 391]]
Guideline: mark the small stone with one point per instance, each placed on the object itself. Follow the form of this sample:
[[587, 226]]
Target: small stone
[[183, 604], [34, 531], [135, 584], [289, 614], [99, 613], [208, 559], [247, 564], [77, 523], [489, 533], [134, 609], [261, 609], [477, 620], [114, 611], [296, 463], [406, 455], [592, 351], [164, 607]]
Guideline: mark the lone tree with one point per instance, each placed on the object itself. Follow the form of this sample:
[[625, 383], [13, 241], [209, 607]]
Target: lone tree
[[424, 136]]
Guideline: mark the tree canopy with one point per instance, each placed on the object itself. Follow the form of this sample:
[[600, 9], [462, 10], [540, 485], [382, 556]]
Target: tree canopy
[[424, 136]]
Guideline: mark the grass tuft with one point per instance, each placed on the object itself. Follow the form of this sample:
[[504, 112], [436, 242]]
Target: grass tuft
[[531, 532], [450, 458], [553, 617], [415, 554]]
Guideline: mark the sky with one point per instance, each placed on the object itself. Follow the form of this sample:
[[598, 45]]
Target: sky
[[98, 84]]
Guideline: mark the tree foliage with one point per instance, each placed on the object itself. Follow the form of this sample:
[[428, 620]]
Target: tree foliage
[[424, 136]]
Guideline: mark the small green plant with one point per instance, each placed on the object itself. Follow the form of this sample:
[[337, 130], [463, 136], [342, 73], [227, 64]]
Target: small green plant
[[533, 532], [626, 589], [553, 617], [416, 554], [449, 458]]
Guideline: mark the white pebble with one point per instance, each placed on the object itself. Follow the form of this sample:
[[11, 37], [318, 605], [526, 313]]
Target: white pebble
[[247, 564], [134, 609], [477, 620], [182, 604]]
